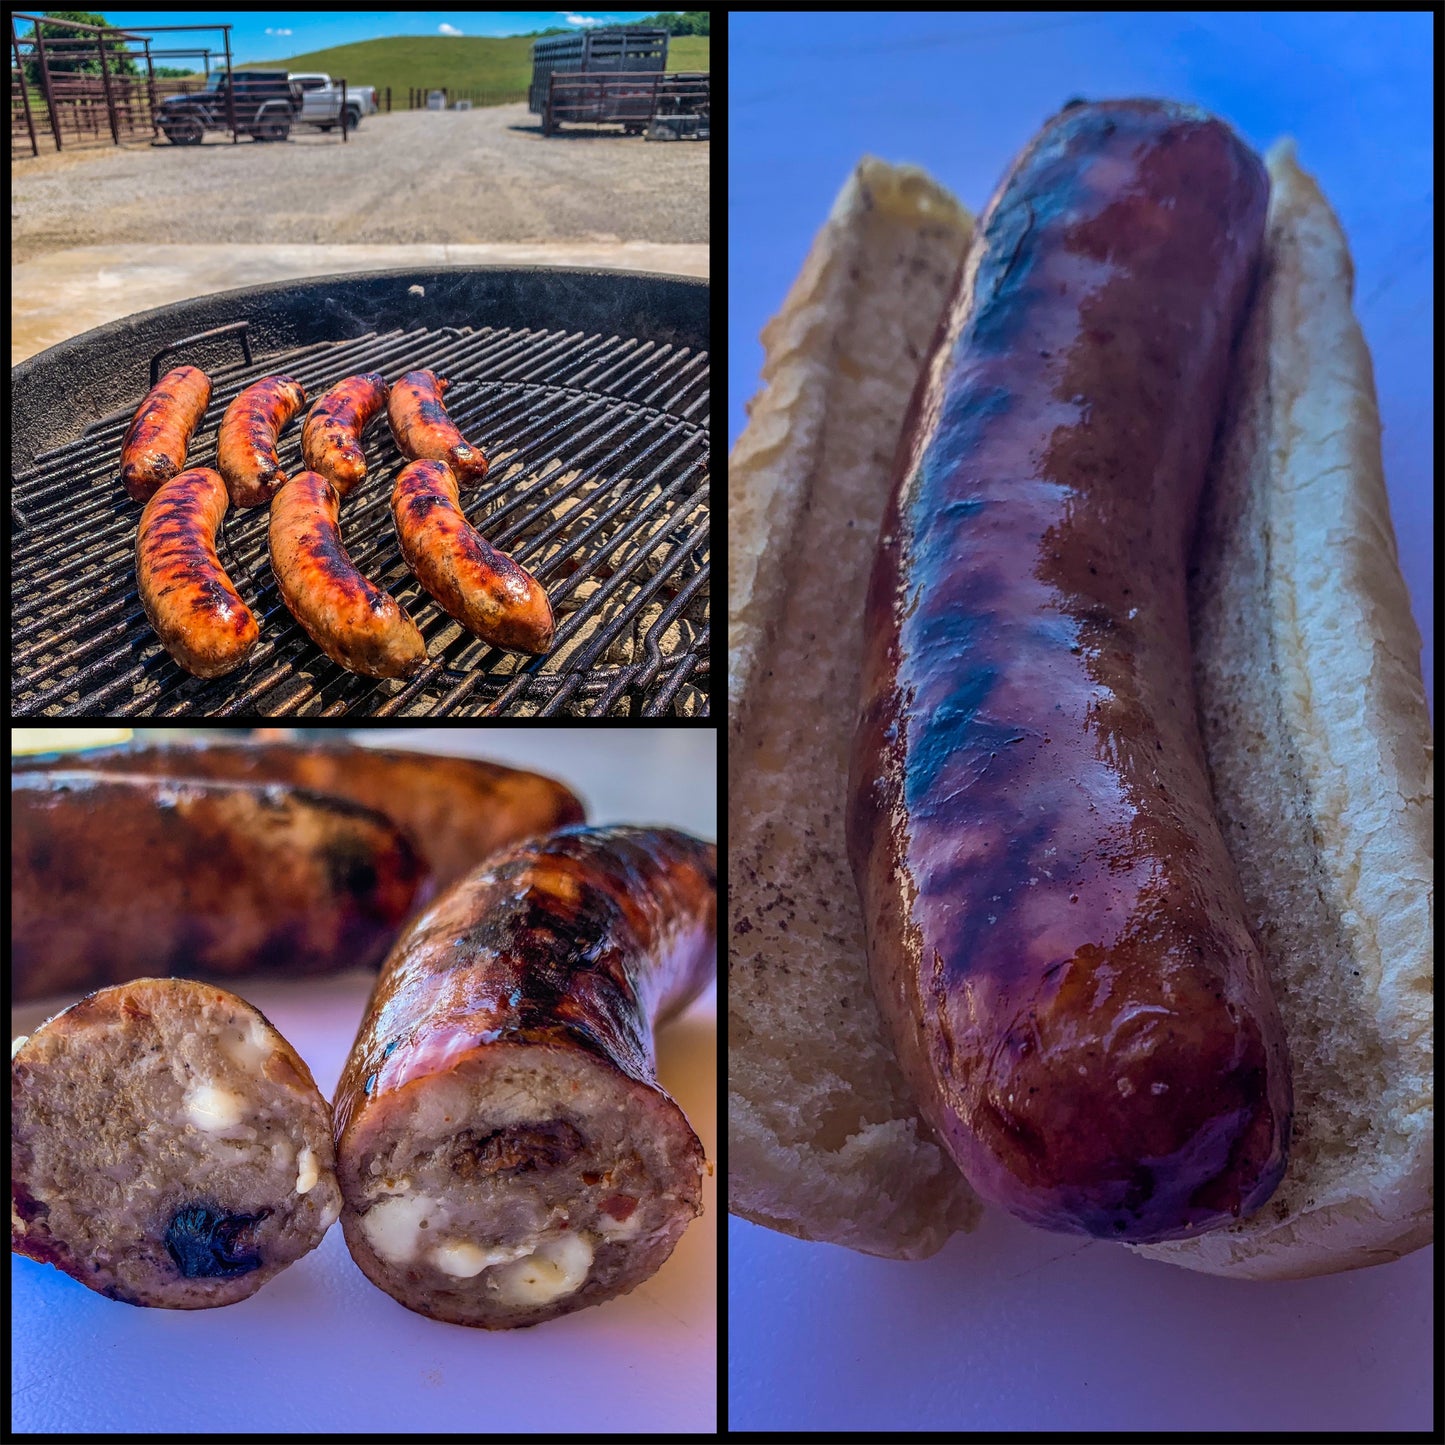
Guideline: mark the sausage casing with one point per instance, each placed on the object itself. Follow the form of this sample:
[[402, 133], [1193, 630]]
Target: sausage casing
[[191, 602], [488, 592], [153, 448], [505, 1152], [167, 1146], [454, 811], [423, 430], [114, 877], [246, 445], [1056, 930], [346, 615], [331, 438]]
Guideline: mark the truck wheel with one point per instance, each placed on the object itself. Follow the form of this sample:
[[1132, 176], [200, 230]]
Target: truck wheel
[[184, 130]]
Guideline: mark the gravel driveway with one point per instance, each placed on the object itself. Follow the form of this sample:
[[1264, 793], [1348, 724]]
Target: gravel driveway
[[441, 176]]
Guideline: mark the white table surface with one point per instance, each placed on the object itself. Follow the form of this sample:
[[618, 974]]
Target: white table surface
[[320, 1348]]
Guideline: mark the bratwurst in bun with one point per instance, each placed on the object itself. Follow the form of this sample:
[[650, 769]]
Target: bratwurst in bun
[[1137, 800]]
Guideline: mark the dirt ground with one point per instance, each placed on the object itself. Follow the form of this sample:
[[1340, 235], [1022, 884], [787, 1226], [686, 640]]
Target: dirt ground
[[414, 176]]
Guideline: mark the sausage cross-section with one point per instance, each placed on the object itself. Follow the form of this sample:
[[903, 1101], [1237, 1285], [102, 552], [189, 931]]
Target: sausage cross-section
[[167, 1146], [505, 1152]]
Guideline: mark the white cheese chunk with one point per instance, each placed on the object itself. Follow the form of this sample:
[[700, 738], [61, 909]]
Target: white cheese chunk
[[308, 1170], [210, 1107], [558, 1267], [249, 1047], [464, 1260], [393, 1227]]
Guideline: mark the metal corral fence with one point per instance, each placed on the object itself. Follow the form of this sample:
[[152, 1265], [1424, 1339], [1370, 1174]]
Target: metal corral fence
[[417, 97], [48, 92], [630, 100]]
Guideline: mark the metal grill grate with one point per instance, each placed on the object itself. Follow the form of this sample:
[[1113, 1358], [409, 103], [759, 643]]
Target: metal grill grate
[[599, 486]]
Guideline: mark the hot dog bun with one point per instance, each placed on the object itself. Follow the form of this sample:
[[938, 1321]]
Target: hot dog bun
[[823, 1140], [1314, 723], [1307, 668]]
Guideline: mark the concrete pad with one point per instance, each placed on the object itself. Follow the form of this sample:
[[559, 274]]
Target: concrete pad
[[66, 292]]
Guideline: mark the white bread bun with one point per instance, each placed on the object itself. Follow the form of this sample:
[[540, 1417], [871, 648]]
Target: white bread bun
[[823, 1139], [1307, 665]]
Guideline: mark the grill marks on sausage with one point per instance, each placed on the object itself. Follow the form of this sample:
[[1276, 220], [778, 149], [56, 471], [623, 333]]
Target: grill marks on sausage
[[190, 601], [153, 448], [353, 621], [331, 438], [246, 446], [244, 879], [491, 594], [423, 430]]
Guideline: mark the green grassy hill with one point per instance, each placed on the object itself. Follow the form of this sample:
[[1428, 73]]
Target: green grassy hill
[[500, 67]]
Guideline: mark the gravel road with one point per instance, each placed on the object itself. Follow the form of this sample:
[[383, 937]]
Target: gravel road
[[439, 176]]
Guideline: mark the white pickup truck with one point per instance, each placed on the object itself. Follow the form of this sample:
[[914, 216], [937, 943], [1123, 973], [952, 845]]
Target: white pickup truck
[[321, 101]]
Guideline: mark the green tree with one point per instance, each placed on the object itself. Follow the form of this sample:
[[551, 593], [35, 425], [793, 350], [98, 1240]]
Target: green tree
[[76, 59]]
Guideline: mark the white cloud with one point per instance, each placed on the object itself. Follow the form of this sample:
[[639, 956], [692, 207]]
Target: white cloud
[[582, 20], [448, 29], [269, 31]]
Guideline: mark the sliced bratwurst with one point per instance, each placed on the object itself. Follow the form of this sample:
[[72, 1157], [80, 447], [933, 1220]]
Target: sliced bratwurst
[[168, 1147], [503, 1146]]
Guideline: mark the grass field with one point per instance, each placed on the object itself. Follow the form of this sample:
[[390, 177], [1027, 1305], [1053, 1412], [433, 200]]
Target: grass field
[[500, 67]]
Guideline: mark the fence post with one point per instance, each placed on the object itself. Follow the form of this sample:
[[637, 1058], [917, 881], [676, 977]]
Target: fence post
[[24, 90], [109, 96]]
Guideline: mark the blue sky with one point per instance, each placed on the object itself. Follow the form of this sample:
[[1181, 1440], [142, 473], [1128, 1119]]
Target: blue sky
[[264, 35]]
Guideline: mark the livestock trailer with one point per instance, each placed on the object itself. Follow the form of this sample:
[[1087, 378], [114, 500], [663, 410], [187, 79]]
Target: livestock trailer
[[632, 48]]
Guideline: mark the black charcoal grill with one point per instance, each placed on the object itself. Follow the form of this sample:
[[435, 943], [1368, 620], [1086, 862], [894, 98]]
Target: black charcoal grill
[[587, 389]]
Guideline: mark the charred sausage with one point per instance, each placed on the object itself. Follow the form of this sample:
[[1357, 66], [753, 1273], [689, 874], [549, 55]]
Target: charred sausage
[[190, 601], [1055, 926], [483, 588], [167, 1146], [331, 438], [454, 811], [350, 619], [153, 448], [504, 1150], [246, 446], [113, 877], [424, 431]]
